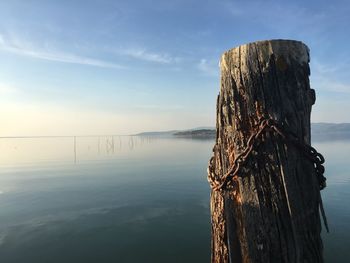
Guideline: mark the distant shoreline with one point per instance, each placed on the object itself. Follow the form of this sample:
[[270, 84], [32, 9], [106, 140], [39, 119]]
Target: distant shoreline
[[319, 131], [203, 134]]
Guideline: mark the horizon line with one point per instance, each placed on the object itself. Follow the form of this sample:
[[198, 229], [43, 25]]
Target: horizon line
[[134, 134]]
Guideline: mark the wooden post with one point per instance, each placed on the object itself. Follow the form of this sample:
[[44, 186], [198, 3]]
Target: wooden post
[[269, 211]]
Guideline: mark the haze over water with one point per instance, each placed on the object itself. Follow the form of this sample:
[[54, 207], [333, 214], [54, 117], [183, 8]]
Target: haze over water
[[127, 199]]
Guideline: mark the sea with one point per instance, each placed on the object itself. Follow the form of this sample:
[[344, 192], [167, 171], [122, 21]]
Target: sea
[[129, 199]]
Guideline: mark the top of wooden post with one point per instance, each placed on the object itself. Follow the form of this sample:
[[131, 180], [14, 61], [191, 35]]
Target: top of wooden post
[[289, 49]]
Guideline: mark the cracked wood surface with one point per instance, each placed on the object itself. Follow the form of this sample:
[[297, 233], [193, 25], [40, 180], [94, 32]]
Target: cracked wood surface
[[271, 212]]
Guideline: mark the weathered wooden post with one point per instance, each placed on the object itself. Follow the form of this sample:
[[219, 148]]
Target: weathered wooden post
[[265, 176]]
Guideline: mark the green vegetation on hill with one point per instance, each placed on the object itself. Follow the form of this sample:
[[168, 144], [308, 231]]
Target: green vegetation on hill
[[204, 133]]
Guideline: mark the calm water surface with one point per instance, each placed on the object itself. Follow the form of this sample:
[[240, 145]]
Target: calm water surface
[[128, 199]]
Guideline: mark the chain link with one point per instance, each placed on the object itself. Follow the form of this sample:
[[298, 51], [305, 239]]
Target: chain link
[[265, 126]]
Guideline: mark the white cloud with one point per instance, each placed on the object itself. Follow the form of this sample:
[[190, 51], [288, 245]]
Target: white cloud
[[25, 49], [7, 89], [148, 56], [13, 44], [145, 55], [324, 68], [210, 68], [326, 77], [327, 83]]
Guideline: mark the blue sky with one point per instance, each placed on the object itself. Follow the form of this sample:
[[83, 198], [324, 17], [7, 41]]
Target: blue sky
[[120, 67]]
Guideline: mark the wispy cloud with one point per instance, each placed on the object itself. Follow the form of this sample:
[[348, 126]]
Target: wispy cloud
[[148, 56], [23, 49], [145, 55], [2, 40], [327, 83], [208, 67], [7, 89], [329, 68], [326, 77]]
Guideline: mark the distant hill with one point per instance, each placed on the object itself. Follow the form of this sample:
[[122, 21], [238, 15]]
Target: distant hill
[[319, 131], [157, 133], [172, 132], [324, 127], [201, 133], [330, 131]]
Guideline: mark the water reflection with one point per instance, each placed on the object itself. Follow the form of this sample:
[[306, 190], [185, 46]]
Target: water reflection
[[123, 192], [76, 148], [96, 199]]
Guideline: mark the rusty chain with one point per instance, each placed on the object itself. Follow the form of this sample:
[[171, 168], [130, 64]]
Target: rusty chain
[[265, 126]]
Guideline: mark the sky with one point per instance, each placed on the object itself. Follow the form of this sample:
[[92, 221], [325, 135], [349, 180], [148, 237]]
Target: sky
[[124, 66]]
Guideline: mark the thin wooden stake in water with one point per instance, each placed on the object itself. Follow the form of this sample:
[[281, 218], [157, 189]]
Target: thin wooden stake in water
[[75, 149]]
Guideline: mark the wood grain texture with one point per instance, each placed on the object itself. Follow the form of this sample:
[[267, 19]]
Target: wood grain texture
[[271, 213]]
